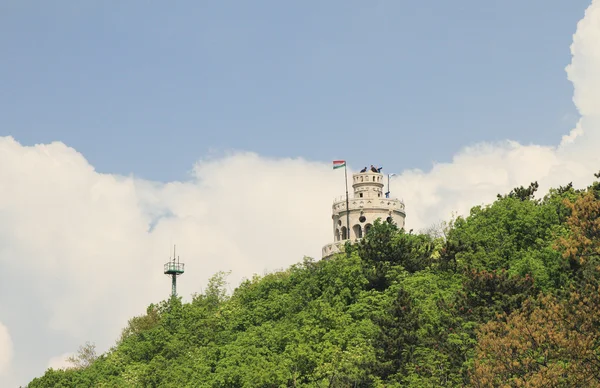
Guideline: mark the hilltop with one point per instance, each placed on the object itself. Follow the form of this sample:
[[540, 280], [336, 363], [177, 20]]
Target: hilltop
[[507, 294]]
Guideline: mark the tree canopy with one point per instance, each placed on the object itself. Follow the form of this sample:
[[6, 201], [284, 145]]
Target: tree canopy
[[505, 296]]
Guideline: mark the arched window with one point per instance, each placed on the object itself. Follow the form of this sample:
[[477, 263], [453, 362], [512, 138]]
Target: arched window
[[337, 235], [373, 179], [367, 227], [344, 233], [357, 231]]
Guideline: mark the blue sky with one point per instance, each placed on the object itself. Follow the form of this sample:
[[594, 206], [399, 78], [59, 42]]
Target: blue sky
[[148, 88]]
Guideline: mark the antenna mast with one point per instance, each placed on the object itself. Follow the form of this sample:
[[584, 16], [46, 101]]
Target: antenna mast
[[174, 269]]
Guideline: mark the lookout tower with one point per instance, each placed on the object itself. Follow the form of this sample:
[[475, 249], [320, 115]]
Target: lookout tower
[[174, 269], [369, 202]]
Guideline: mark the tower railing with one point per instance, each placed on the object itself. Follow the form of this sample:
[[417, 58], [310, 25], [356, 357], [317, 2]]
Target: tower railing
[[376, 203], [337, 247], [173, 268]]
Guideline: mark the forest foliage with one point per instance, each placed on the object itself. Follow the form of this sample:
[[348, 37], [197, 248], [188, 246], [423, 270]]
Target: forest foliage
[[505, 296]]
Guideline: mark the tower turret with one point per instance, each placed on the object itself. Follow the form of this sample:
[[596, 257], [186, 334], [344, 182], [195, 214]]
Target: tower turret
[[368, 204], [367, 185]]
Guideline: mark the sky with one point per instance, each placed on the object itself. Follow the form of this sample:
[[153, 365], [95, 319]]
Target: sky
[[127, 127], [146, 88]]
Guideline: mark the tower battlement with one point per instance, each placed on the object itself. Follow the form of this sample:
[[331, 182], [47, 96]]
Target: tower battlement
[[352, 221]]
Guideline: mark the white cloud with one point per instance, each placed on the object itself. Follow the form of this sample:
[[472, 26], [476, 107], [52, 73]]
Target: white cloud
[[60, 362], [6, 350], [583, 70], [91, 246], [476, 174], [570, 138]]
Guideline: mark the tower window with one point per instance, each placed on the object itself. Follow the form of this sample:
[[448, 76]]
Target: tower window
[[357, 231], [360, 195]]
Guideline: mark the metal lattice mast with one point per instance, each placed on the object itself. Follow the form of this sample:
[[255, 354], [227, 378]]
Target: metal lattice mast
[[173, 285], [174, 269]]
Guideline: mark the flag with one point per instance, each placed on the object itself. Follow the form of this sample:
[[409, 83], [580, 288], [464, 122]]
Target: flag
[[338, 163]]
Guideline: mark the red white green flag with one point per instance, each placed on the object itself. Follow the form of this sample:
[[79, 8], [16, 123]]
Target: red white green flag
[[338, 164]]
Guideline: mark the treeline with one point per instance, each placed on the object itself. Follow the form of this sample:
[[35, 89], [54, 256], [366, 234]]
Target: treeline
[[506, 296]]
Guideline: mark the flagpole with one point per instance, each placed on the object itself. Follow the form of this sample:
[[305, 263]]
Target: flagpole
[[388, 191], [387, 195], [347, 205]]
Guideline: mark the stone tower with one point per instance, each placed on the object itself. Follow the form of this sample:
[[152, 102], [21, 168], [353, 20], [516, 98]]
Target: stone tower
[[367, 204]]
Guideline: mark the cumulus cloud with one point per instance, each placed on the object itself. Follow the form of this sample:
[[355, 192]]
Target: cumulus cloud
[[90, 246], [6, 349], [583, 70], [60, 362], [476, 174]]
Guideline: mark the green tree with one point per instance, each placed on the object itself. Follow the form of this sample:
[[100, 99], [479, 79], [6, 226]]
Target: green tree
[[548, 343], [85, 356], [397, 338], [141, 323]]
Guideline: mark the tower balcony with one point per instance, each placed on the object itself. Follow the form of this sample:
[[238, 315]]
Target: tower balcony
[[336, 247], [383, 204], [333, 248], [172, 268]]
